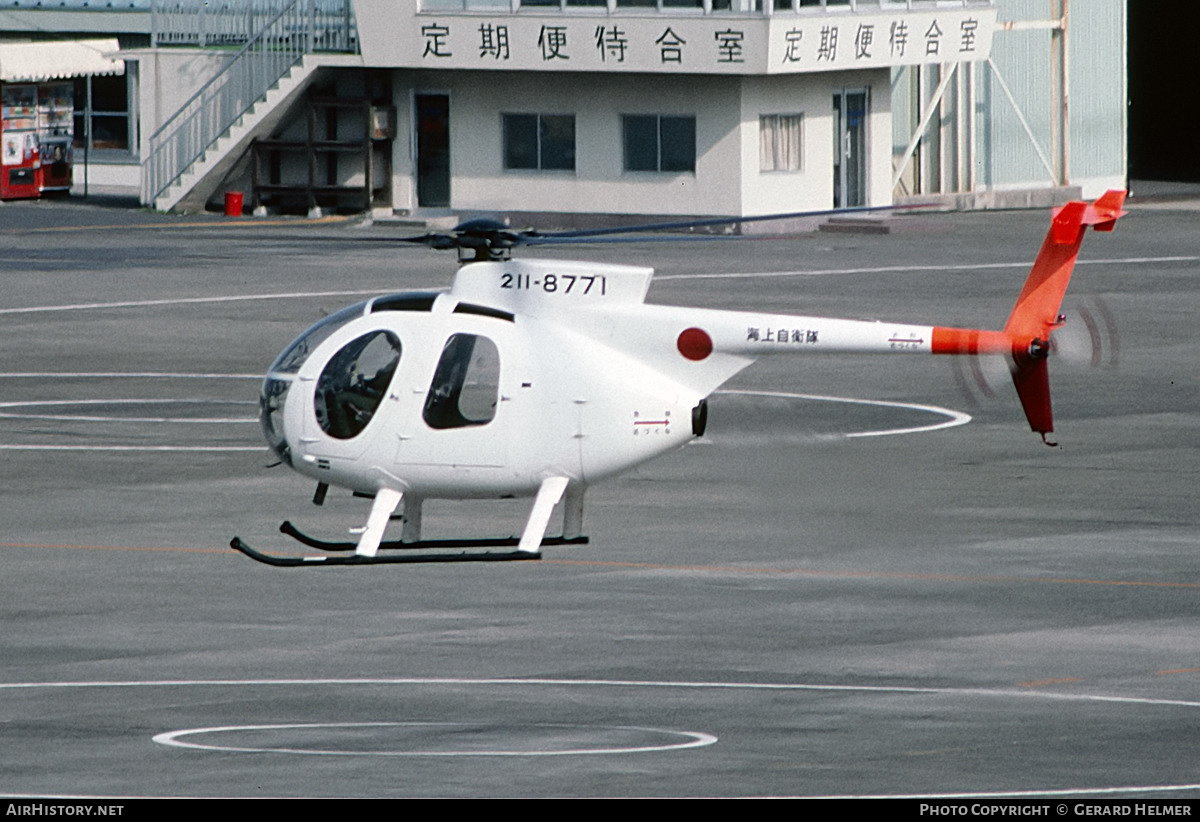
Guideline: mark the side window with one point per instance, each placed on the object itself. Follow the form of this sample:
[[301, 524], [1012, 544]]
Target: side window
[[543, 142], [466, 384], [659, 142], [779, 142], [354, 383]]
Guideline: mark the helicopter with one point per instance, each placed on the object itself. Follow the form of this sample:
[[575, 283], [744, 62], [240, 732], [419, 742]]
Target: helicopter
[[538, 378]]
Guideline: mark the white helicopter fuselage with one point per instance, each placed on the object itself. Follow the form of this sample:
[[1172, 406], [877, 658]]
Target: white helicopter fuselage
[[571, 375]]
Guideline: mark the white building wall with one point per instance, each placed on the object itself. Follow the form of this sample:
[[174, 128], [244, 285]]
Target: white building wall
[[1097, 91], [167, 79], [599, 183], [727, 180], [811, 188]]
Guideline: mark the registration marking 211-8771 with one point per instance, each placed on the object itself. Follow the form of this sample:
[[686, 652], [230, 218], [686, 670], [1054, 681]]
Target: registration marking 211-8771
[[596, 284]]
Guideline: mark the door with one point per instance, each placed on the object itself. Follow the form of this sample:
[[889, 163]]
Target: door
[[433, 150], [850, 108]]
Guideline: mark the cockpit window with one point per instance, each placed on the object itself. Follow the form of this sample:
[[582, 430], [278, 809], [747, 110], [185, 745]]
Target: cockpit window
[[294, 355], [466, 384], [354, 383]]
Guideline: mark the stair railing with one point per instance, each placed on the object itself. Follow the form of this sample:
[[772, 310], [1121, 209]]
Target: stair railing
[[296, 29]]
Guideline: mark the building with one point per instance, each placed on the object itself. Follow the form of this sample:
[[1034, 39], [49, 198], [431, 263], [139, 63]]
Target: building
[[618, 107]]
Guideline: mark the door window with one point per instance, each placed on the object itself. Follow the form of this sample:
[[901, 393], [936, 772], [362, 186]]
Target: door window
[[466, 384]]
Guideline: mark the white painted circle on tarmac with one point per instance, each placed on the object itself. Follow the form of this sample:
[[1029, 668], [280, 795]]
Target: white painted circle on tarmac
[[438, 739], [684, 739], [101, 411], [953, 418], [174, 413]]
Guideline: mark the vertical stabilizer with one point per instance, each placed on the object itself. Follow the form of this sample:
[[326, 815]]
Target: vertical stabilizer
[[1035, 313]]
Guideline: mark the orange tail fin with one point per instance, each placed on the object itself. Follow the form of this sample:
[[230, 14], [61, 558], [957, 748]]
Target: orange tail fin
[[1035, 313]]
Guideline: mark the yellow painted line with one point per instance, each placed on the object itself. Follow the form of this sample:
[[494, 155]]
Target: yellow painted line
[[216, 222], [1038, 683], [167, 548], [872, 574], [1177, 671], [721, 569]]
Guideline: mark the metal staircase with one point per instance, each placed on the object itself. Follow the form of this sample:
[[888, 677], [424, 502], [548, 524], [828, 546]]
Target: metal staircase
[[193, 150]]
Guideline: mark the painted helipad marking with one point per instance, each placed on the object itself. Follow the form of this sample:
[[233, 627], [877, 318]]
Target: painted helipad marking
[[117, 401], [690, 739], [257, 222], [781, 687], [956, 418], [913, 269], [216, 449], [139, 375], [297, 295], [123, 401], [733, 275]]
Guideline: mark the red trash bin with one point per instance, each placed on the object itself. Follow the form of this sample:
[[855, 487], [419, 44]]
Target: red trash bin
[[233, 204]]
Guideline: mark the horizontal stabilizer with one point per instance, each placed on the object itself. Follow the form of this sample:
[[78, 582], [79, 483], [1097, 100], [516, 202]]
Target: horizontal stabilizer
[[1107, 210], [1102, 215]]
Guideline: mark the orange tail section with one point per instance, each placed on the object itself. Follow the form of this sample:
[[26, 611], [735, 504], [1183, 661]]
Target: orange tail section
[[1026, 334], [1035, 313]]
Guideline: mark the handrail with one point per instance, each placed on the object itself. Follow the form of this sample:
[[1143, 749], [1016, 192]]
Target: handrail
[[216, 106]]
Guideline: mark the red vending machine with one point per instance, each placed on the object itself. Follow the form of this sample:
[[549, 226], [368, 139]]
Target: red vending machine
[[37, 126], [56, 135], [19, 156]]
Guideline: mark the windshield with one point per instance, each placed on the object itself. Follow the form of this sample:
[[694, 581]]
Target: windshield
[[294, 355], [273, 396]]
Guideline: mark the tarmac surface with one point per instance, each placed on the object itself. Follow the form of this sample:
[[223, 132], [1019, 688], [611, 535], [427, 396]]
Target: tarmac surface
[[778, 610]]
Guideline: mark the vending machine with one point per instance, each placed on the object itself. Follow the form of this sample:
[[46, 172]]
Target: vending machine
[[19, 156], [56, 135], [36, 136]]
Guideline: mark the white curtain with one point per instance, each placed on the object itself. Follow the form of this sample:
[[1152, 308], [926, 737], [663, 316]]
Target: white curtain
[[779, 142]]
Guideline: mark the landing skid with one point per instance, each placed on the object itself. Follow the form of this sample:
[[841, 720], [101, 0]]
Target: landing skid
[[386, 500], [426, 544], [359, 559]]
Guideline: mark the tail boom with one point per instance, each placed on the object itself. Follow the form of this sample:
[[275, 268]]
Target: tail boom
[[969, 341]]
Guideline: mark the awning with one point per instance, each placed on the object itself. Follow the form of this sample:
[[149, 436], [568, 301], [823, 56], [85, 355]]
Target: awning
[[58, 60]]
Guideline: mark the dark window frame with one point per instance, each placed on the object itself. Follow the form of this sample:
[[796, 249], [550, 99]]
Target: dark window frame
[[659, 143], [103, 119], [538, 142]]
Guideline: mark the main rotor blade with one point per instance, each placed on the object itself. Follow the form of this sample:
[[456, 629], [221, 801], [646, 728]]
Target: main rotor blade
[[707, 222]]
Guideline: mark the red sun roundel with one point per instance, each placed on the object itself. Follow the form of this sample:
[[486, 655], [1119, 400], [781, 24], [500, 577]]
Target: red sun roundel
[[695, 344]]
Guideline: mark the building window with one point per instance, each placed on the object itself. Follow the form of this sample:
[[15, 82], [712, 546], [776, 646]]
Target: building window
[[102, 113], [659, 143], [544, 142], [779, 142]]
